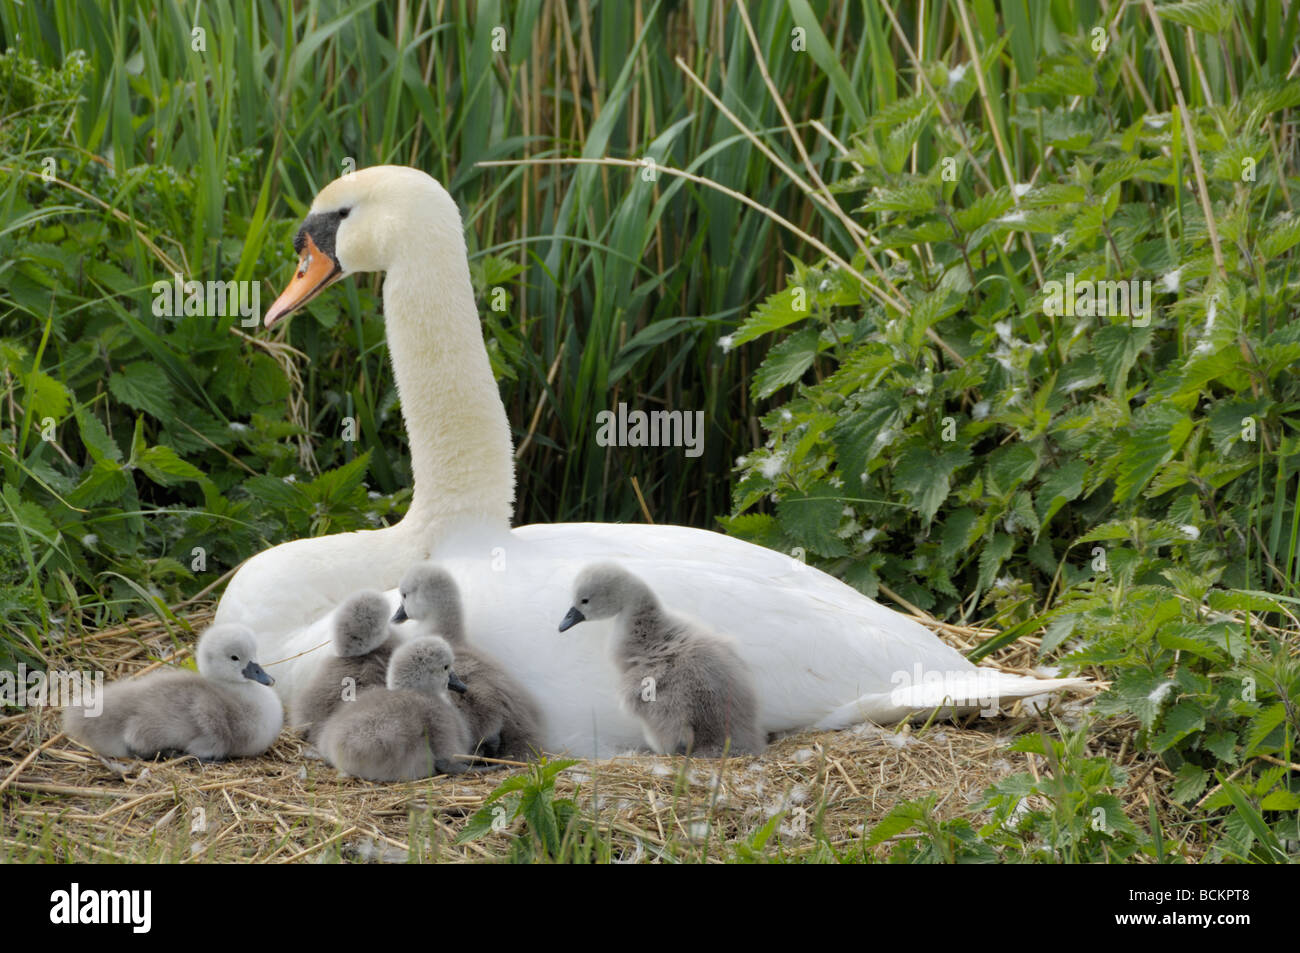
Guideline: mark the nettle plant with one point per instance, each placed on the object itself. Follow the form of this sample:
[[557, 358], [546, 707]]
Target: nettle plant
[[143, 454], [1009, 446]]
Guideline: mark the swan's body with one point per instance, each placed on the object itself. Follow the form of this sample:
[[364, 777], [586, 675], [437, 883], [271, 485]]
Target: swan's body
[[821, 653], [225, 711]]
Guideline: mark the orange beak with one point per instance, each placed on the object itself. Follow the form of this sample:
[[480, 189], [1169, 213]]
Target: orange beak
[[316, 272]]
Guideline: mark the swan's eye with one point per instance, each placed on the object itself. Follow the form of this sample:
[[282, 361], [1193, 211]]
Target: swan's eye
[[343, 212]]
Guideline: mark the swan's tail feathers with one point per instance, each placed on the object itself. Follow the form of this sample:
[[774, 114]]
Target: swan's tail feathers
[[982, 690]]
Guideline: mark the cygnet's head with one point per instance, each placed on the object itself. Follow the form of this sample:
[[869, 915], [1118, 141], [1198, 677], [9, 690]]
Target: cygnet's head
[[600, 591], [368, 220], [428, 592], [424, 665], [225, 654], [361, 623]]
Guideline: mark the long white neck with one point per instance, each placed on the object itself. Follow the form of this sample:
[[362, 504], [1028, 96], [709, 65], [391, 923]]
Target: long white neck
[[461, 456]]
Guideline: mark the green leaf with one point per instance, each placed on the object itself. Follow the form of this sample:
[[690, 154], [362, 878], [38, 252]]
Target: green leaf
[[1141, 692], [959, 531], [1057, 631], [856, 435], [1058, 487], [106, 480], [1156, 437], [901, 817], [776, 312], [1117, 347], [1115, 821], [277, 493], [163, 466], [535, 807], [1280, 800], [1208, 16], [925, 475], [1063, 80], [812, 517], [785, 363], [145, 387], [1282, 234], [1179, 722], [761, 529], [1189, 783], [1222, 744], [94, 436], [904, 198], [46, 396], [1263, 725], [983, 210], [1242, 600], [341, 484], [992, 556], [481, 822], [1201, 640], [267, 383], [764, 833], [1254, 821], [31, 517], [1011, 466]]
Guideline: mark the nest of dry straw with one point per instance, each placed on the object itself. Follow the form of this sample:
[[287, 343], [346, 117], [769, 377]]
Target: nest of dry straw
[[59, 801]]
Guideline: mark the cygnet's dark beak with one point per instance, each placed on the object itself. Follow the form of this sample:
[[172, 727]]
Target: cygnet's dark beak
[[455, 684], [572, 618], [257, 673], [400, 615]]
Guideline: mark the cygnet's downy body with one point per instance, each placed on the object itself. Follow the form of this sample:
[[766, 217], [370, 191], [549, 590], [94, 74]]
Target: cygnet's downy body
[[686, 683], [225, 711], [363, 645], [408, 730], [504, 719]]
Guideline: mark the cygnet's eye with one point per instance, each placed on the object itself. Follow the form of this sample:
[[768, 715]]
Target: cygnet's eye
[[585, 601], [234, 658]]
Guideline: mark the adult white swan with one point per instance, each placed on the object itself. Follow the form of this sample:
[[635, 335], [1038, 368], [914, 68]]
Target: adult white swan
[[822, 654]]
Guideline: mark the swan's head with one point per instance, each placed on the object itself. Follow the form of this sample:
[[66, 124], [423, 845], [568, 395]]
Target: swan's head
[[225, 654], [428, 592], [601, 590], [424, 666], [361, 624], [367, 221]]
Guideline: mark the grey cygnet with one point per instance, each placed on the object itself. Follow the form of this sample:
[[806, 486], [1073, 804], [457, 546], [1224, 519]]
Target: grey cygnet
[[505, 720], [225, 711], [363, 645], [407, 730], [687, 684]]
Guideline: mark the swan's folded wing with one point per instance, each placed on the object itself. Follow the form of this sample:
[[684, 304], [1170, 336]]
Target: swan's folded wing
[[821, 652]]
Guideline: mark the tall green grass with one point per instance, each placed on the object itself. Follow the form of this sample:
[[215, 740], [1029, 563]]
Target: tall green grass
[[620, 288], [276, 103]]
